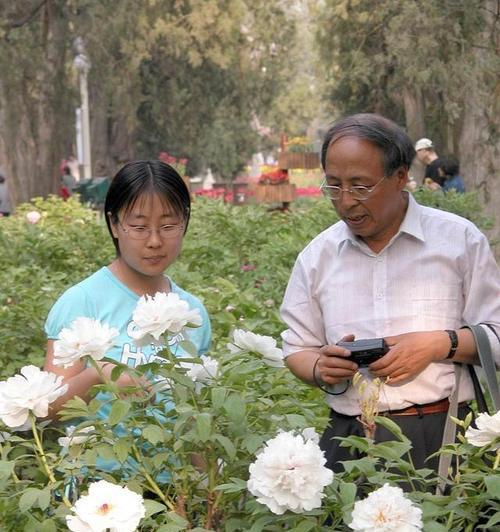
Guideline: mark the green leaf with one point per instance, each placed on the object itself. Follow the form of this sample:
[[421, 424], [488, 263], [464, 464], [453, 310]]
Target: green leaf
[[493, 520], [305, 526], [347, 493], [28, 499], [189, 347], [391, 426], [260, 523], [235, 486], [204, 426], [122, 449], [6, 468], [235, 408], [153, 507], [493, 485], [390, 450], [218, 397], [105, 451], [227, 444], [44, 498], [154, 434], [119, 410], [48, 526], [253, 443]]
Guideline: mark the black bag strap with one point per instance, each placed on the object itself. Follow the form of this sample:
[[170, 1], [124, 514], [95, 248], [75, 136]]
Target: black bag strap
[[482, 405], [486, 358], [488, 364]]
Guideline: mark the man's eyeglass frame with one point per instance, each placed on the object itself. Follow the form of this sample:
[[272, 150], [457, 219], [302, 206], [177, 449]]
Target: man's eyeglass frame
[[359, 192]]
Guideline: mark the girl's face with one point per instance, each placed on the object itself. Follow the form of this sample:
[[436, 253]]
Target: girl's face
[[149, 235]]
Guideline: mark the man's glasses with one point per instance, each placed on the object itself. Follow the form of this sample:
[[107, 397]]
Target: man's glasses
[[142, 232], [358, 192]]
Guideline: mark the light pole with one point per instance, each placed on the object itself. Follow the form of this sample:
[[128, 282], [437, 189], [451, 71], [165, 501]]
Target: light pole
[[82, 65]]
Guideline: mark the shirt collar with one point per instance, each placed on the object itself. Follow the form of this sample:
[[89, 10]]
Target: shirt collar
[[411, 225]]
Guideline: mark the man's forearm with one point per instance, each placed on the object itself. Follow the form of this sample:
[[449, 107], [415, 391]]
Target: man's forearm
[[301, 364]]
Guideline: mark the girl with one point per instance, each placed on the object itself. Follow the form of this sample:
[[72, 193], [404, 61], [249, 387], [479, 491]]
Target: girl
[[147, 211]]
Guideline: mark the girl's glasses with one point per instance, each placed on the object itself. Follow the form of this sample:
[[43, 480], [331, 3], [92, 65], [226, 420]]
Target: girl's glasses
[[142, 232]]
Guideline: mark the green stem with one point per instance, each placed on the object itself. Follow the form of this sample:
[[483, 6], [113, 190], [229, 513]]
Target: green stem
[[43, 458], [98, 368], [152, 483], [497, 460]]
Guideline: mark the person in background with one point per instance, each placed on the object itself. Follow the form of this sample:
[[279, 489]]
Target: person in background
[[449, 170], [391, 269], [427, 155], [5, 206], [68, 183]]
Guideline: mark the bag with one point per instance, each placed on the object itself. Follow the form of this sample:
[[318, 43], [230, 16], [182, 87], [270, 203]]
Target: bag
[[483, 347]]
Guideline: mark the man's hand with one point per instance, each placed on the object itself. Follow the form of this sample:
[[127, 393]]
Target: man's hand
[[410, 354], [333, 366]]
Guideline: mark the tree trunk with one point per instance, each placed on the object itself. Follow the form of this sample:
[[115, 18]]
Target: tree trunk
[[414, 112], [479, 151], [34, 108]]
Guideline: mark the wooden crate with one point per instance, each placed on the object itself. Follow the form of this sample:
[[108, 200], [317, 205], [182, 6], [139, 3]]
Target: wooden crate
[[281, 193], [307, 160]]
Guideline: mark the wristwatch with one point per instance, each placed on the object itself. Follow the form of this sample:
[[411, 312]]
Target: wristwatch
[[454, 343]]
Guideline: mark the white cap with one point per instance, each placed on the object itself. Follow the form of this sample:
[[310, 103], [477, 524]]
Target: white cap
[[423, 144]]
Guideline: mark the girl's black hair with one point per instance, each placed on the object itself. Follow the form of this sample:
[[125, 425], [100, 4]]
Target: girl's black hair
[[395, 145], [138, 178], [449, 165]]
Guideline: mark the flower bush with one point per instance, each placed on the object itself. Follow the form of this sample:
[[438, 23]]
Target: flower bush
[[195, 461]]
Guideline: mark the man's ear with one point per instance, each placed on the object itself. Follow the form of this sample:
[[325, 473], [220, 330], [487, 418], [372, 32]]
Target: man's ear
[[401, 174]]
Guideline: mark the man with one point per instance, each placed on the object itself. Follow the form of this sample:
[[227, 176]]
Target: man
[[390, 268], [427, 155]]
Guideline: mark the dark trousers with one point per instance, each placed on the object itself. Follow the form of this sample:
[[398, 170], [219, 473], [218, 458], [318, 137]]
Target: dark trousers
[[425, 432]]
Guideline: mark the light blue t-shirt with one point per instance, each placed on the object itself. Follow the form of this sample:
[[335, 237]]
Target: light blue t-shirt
[[105, 298]]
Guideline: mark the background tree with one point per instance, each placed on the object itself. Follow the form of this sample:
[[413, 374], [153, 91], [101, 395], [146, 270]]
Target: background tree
[[433, 66], [185, 77]]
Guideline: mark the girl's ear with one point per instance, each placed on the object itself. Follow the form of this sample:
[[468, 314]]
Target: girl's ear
[[114, 229]]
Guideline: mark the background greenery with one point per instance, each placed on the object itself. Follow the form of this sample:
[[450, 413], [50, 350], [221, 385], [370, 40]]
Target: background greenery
[[236, 258]]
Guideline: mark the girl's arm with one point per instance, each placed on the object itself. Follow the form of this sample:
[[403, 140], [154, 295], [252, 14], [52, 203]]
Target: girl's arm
[[78, 378]]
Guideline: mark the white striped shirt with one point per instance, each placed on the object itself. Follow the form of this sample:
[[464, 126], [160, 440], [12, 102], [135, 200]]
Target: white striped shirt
[[437, 272]]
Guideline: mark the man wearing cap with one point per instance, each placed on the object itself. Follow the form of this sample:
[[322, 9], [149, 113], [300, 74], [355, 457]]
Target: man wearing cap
[[427, 155], [392, 269]]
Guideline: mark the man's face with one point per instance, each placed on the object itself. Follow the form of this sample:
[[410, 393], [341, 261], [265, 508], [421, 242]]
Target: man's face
[[422, 156], [352, 161]]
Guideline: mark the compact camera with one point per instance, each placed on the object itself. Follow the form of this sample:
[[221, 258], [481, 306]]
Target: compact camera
[[364, 352]]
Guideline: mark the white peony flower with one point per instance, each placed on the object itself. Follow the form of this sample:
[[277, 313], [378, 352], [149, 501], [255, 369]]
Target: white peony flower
[[386, 510], [33, 390], [107, 507], [264, 345], [488, 428], [289, 474], [33, 217], [159, 315], [75, 438], [203, 372], [85, 336], [310, 434]]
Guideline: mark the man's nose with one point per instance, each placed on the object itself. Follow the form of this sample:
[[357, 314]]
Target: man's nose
[[346, 199]]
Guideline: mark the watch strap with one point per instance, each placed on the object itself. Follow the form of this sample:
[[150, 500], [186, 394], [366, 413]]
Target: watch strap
[[454, 343]]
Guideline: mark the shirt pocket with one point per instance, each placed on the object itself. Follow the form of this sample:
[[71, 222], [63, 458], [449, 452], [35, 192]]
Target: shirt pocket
[[437, 304]]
